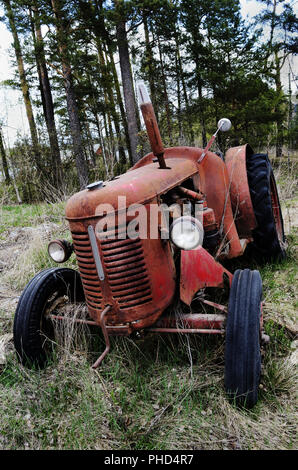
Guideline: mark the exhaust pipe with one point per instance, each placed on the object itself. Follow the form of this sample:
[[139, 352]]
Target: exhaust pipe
[[151, 125]]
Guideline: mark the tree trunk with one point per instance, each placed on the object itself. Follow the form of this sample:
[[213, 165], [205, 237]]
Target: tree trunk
[[128, 89], [167, 105], [278, 107], [72, 108], [109, 100], [149, 64], [4, 160], [24, 84], [47, 98], [119, 100], [10, 164], [178, 101], [186, 101], [102, 145], [277, 79]]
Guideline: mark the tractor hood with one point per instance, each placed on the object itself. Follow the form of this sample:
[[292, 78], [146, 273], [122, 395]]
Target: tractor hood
[[139, 185]]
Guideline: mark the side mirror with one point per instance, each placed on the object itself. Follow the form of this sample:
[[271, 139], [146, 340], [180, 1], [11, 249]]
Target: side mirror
[[224, 125]]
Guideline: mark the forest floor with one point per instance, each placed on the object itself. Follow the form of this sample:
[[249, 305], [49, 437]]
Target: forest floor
[[159, 392]]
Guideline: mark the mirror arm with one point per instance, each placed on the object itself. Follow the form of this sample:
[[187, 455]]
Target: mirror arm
[[208, 146]]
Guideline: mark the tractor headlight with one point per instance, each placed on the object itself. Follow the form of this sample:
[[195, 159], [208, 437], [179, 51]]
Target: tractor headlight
[[187, 233], [60, 250]]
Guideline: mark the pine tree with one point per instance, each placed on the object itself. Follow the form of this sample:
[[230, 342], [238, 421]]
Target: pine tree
[[283, 23], [9, 8], [46, 93], [62, 28], [127, 80]]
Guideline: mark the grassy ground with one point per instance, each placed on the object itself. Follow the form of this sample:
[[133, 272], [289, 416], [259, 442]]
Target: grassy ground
[[156, 392]]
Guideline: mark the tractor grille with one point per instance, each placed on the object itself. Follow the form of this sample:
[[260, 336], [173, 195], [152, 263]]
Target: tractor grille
[[125, 270], [88, 270]]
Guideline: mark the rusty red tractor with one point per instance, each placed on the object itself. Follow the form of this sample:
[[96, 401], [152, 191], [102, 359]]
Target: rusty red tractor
[[130, 282]]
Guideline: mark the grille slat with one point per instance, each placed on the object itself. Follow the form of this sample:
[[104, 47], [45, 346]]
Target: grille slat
[[118, 288], [124, 256], [94, 298], [113, 244], [135, 303], [90, 282], [133, 293], [128, 249], [129, 275], [129, 269], [135, 277], [89, 272], [84, 251], [84, 254], [123, 261], [87, 265]]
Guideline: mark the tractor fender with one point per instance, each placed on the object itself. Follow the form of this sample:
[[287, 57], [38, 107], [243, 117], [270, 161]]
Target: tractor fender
[[242, 207], [198, 269]]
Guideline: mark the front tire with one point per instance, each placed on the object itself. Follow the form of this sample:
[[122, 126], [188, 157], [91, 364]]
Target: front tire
[[268, 237], [242, 350], [33, 330]]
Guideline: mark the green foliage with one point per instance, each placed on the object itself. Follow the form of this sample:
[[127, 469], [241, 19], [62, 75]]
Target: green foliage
[[201, 61]]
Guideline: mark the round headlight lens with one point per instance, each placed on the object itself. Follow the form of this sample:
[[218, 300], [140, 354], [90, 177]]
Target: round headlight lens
[[58, 251], [187, 233]]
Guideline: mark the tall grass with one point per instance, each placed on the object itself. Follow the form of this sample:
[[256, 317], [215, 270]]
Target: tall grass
[[151, 392]]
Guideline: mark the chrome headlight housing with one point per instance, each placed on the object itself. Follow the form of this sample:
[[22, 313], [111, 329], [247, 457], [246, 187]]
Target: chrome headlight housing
[[187, 233], [60, 250]]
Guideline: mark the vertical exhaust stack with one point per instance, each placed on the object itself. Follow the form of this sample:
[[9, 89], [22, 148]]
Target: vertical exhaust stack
[[151, 124]]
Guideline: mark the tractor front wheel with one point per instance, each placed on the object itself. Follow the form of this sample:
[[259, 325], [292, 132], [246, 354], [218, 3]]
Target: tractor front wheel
[[33, 329], [242, 350]]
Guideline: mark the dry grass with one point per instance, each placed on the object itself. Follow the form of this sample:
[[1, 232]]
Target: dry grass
[[286, 176], [150, 393]]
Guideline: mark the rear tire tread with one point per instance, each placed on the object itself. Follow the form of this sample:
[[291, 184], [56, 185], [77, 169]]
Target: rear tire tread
[[266, 244]]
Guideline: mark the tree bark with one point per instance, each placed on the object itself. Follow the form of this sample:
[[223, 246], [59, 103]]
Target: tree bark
[[278, 108], [276, 65], [128, 89], [186, 101], [72, 107], [4, 160], [24, 83], [119, 100], [166, 97], [47, 99], [109, 100], [149, 64], [178, 101]]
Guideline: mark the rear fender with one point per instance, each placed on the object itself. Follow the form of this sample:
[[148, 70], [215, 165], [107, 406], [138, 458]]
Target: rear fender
[[239, 190], [199, 270]]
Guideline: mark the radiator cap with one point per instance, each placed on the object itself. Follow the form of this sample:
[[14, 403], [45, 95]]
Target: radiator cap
[[96, 185]]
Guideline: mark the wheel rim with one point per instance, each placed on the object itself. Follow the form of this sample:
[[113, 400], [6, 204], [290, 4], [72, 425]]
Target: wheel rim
[[276, 210], [47, 329]]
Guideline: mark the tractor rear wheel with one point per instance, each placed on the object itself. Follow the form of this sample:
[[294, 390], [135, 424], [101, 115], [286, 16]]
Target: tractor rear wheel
[[33, 329], [268, 237], [242, 349]]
